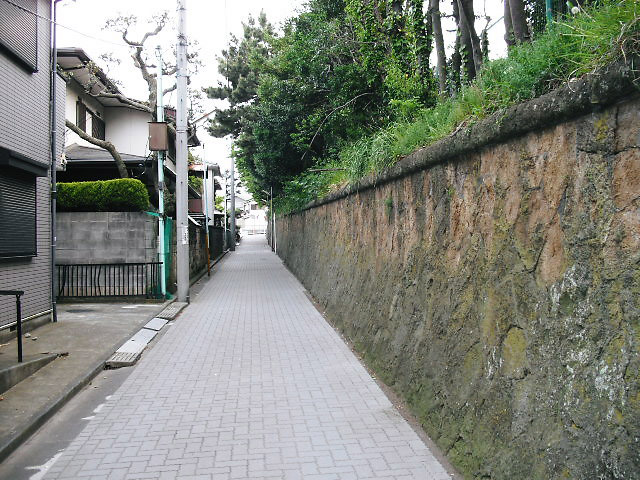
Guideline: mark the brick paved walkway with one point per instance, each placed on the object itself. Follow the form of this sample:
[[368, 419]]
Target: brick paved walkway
[[249, 383]]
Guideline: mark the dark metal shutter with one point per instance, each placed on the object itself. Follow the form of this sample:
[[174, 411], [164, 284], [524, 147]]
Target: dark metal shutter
[[97, 126], [17, 213], [19, 30], [81, 115]]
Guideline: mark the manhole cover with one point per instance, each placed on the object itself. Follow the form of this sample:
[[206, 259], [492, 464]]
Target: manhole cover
[[79, 310]]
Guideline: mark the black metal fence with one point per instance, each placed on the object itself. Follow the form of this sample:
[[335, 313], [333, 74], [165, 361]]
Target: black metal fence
[[109, 280]]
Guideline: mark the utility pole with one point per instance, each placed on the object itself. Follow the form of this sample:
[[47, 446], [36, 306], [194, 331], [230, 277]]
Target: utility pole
[[233, 205], [181, 159], [160, 118]]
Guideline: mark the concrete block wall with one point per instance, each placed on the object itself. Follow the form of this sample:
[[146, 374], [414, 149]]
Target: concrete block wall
[[106, 237]]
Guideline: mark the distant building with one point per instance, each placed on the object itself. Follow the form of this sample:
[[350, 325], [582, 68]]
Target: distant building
[[197, 207], [254, 220]]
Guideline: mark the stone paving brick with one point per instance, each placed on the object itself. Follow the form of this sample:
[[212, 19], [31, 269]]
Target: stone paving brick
[[249, 383]]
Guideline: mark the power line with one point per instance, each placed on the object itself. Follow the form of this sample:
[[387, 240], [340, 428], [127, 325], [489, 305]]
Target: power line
[[37, 15]]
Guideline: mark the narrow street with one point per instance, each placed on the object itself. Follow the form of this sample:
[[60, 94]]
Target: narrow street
[[249, 383]]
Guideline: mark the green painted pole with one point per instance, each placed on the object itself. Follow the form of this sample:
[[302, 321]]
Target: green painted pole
[[549, 9]]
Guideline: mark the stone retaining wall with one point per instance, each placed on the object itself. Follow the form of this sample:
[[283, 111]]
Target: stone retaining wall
[[498, 290]]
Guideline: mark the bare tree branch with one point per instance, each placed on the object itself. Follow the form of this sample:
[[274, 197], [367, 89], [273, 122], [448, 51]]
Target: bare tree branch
[[170, 89], [327, 117], [170, 70], [108, 146]]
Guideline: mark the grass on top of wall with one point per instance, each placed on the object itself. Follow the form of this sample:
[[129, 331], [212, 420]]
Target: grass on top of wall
[[603, 33]]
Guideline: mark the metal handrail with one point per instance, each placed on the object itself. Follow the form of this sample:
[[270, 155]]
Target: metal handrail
[[17, 294]]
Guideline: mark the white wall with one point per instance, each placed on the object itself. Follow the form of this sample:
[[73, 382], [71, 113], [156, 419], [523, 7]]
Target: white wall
[[74, 92], [255, 222], [128, 130]]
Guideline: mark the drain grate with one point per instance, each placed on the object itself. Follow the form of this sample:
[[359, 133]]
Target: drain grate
[[123, 359], [172, 310], [79, 310]]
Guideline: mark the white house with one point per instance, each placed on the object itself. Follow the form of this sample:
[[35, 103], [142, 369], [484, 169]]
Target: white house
[[112, 119], [255, 219], [127, 125]]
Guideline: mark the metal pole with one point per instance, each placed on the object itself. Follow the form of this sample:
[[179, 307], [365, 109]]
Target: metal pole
[[271, 212], [549, 10], [206, 217], [160, 118], [181, 159], [233, 205], [19, 327], [54, 147]]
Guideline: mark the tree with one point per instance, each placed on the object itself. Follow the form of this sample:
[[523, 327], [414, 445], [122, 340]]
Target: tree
[[240, 65], [422, 29], [293, 98], [339, 71], [219, 203], [515, 22], [141, 60], [470, 48], [434, 11]]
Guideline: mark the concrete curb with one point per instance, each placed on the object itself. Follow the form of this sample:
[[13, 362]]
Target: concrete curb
[[7, 446], [12, 441]]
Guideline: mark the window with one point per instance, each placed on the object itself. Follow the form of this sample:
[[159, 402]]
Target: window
[[81, 116], [19, 31], [17, 213], [254, 206], [97, 127]]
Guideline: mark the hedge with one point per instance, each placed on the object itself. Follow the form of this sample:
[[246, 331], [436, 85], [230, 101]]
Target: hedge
[[120, 195]]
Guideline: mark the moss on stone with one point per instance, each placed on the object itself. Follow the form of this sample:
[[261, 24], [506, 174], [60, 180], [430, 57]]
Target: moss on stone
[[514, 353], [514, 377]]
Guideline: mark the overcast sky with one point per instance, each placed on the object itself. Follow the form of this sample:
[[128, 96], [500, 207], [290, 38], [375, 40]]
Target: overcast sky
[[209, 23]]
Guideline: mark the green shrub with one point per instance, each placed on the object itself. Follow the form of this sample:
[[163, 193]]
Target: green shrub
[[120, 195], [195, 183]]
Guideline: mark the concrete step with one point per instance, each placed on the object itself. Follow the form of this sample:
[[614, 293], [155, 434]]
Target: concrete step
[[12, 372]]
